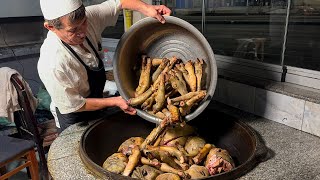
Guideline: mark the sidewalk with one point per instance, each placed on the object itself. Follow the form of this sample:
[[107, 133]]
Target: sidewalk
[[21, 50]]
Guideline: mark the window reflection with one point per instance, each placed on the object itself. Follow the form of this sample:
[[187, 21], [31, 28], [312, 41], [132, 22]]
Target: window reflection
[[246, 29], [303, 41], [250, 29]]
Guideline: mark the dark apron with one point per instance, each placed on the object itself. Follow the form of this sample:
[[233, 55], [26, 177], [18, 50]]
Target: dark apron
[[96, 79]]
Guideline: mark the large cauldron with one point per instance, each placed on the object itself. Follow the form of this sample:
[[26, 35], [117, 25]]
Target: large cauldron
[[104, 137]]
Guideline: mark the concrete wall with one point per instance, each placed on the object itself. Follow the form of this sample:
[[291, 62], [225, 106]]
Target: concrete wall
[[22, 37], [19, 8], [301, 114], [21, 32]]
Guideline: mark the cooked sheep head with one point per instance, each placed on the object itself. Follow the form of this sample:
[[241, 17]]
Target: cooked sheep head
[[145, 172], [194, 144], [172, 151], [219, 160], [126, 147], [115, 163], [197, 172]]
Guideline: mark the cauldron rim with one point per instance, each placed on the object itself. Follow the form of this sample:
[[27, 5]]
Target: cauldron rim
[[257, 156]]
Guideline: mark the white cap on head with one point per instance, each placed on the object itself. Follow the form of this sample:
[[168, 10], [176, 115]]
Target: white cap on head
[[52, 9]]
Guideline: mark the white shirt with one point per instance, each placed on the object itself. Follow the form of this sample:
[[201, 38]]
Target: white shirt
[[64, 77]]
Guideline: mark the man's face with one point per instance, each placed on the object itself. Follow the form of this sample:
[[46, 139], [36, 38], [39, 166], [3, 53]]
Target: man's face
[[72, 33]]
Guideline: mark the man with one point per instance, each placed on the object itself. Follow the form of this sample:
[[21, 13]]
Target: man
[[70, 65]]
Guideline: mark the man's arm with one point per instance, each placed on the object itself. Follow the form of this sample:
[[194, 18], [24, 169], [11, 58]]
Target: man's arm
[[93, 104], [155, 11]]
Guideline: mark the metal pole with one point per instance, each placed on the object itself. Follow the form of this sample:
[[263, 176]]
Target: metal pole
[[247, 5], [284, 68], [203, 21], [285, 34]]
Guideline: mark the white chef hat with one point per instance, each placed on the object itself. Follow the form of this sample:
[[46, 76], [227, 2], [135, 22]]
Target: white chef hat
[[52, 9]]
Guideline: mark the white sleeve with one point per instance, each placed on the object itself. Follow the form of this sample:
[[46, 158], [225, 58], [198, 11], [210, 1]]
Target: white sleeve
[[104, 14]]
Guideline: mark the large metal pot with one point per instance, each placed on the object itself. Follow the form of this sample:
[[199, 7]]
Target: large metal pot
[[174, 38], [104, 137]]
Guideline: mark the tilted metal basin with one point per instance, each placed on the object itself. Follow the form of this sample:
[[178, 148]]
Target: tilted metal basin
[[174, 38]]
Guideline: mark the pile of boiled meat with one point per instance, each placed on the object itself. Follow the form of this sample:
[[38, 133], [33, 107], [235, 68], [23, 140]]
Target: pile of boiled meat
[[168, 88], [176, 153]]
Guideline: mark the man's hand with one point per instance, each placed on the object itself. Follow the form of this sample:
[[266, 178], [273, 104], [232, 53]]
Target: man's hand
[[154, 11], [123, 104], [157, 12]]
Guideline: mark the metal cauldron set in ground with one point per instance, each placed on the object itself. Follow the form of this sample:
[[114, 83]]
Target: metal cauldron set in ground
[[174, 38], [103, 138]]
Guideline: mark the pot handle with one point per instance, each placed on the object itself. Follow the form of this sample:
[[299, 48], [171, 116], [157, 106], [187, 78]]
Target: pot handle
[[261, 151]]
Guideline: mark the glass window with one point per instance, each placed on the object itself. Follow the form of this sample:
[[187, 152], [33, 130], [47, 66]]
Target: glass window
[[303, 40], [250, 29], [188, 10], [116, 31], [246, 29], [110, 32]]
